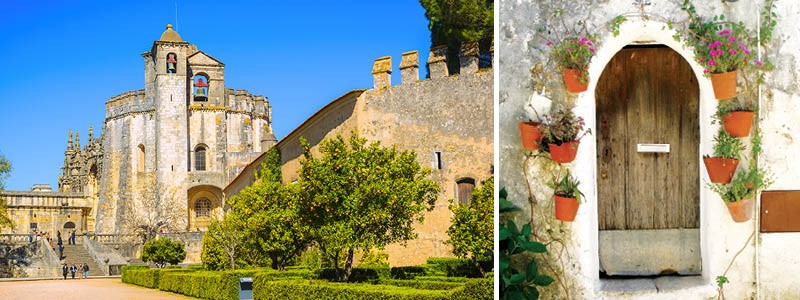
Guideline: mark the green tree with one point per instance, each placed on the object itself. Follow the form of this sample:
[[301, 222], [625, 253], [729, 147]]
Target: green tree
[[472, 229], [360, 196], [163, 251], [268, 210], [227, 236], [453, 22], [5, 171], [213, 256]]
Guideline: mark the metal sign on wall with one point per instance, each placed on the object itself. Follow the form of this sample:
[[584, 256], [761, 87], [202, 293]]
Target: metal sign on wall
[[779, 211]]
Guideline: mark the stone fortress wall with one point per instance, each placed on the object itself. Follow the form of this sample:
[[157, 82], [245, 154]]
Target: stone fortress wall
[[447, 120]]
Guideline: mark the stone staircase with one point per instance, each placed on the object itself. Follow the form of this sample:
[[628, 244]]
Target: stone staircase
[[77, 254]]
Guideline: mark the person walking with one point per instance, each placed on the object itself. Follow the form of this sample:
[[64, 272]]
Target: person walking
[[64, 271], [72, 237], [73, 269], [85, 271]]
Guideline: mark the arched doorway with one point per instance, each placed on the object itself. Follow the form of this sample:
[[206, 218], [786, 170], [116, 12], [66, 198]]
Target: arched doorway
[[205, 205], [648, 187], [69, 225]]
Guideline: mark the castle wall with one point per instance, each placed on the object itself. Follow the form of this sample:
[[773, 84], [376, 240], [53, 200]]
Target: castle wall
[[49, 210]]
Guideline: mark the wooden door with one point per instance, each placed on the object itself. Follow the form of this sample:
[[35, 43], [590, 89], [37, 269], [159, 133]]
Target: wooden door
[[647, 95]]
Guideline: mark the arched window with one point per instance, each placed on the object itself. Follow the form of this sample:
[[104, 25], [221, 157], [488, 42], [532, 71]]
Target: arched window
[[140, 164], [172, 63], [465, 188], [200, 158], [202, 208], [201, 87], [69, 225]]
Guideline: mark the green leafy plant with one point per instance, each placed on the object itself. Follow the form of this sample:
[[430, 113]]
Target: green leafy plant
[[744, 185], [472, 230], [163, 251], [726, 146], [618, 20], [735, 104], [568, 187], [563, 126], [573, 52], [519, 273]]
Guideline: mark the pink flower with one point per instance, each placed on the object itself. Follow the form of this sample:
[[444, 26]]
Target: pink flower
[[706, 71], [591, 49], [569, 49], [711, 62], [731, 39], [549, 43], [759, 63], [742, 47], [583, 41], [732, 52], [747, 52], [724, 32]]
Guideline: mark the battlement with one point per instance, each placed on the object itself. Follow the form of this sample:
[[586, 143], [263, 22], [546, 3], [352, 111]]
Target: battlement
[[243, 101], [127, 102], [437, 65]]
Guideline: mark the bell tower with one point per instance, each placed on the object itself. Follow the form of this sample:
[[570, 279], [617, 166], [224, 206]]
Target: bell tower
[[168, 84]]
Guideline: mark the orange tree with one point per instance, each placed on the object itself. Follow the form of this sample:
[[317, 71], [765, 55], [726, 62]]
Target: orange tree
[[359, 196]]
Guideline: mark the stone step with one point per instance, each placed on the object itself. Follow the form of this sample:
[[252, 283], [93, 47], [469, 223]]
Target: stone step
[[77, 254]]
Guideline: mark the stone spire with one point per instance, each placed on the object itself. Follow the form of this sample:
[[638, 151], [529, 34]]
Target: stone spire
[[90, 133], [69, 142], [77, 141]]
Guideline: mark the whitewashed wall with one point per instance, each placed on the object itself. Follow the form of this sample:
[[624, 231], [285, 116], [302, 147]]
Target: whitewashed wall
[[763, 268]]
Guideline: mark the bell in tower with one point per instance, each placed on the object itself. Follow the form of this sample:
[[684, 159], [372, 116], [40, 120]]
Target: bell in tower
[[200, 90], [171, 63]]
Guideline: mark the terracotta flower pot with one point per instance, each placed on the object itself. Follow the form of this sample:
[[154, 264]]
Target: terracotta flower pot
[[720, 170], [566, 208], [741, 210], [531, 136], [737, 123], [573, 82], [724, 85], [565, 152]]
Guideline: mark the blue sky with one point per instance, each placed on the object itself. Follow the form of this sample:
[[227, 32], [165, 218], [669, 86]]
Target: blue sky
[[62, 60]]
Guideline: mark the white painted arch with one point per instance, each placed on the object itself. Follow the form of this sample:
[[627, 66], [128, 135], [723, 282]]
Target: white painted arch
[[714, 219]]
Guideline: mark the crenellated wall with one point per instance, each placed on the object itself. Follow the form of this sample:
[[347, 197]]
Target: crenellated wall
[[452, 115]]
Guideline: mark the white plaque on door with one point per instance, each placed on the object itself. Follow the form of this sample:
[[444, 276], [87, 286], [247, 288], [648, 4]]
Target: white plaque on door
[[658, 148]]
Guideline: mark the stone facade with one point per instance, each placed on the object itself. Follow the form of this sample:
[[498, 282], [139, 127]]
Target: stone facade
[[447, 120], [759, 271], [181, 137], [42, 210]]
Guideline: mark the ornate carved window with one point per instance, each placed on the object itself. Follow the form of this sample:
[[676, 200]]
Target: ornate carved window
[[200, 158], [465, 188], [202, 208]]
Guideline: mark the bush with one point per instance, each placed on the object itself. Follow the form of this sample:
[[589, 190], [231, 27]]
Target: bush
[[475, 289], [361, 274], [459, 267], [140, 275], [408, 272], [424, 284], [162, 251], [374, 257], [443, 278], [322, 290]]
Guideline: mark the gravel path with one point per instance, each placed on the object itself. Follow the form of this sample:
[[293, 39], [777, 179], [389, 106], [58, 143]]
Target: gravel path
[[83, 289]]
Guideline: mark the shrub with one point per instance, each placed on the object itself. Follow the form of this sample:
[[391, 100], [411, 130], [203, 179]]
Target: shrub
[[458, 267], [322, 290], [374, 257], [423, 284], [475, 289], [141, 275], [162, 251], [443, 278], [360, 274], [408, 272]]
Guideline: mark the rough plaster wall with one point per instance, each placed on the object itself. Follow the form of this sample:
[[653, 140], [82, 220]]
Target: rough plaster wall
[[520, 49], [453, 115]]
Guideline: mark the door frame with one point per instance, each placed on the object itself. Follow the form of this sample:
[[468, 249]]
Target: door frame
[[711, 215]]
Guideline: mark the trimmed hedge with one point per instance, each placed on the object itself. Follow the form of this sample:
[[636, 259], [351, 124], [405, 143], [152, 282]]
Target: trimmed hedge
[[141, 275], [371, 274], [459, 267], [475, 289], [323, 290], [424, 284]]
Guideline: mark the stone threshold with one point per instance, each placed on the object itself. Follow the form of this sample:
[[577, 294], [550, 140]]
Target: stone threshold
[[654, 286]]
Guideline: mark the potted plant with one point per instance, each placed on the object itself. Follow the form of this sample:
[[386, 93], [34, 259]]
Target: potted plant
[[736, 116], [739, 194], [572, 54], [530, 131], [562, 134], [722, 53], [721, 167], [567, 198]]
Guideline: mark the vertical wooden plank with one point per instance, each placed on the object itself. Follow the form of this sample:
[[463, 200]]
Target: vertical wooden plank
[[612, 98], [639, 191], [688, 92]]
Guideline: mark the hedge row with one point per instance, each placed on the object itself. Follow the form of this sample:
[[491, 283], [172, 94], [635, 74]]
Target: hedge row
[[459, 267], [323, 290], [423, 284]]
